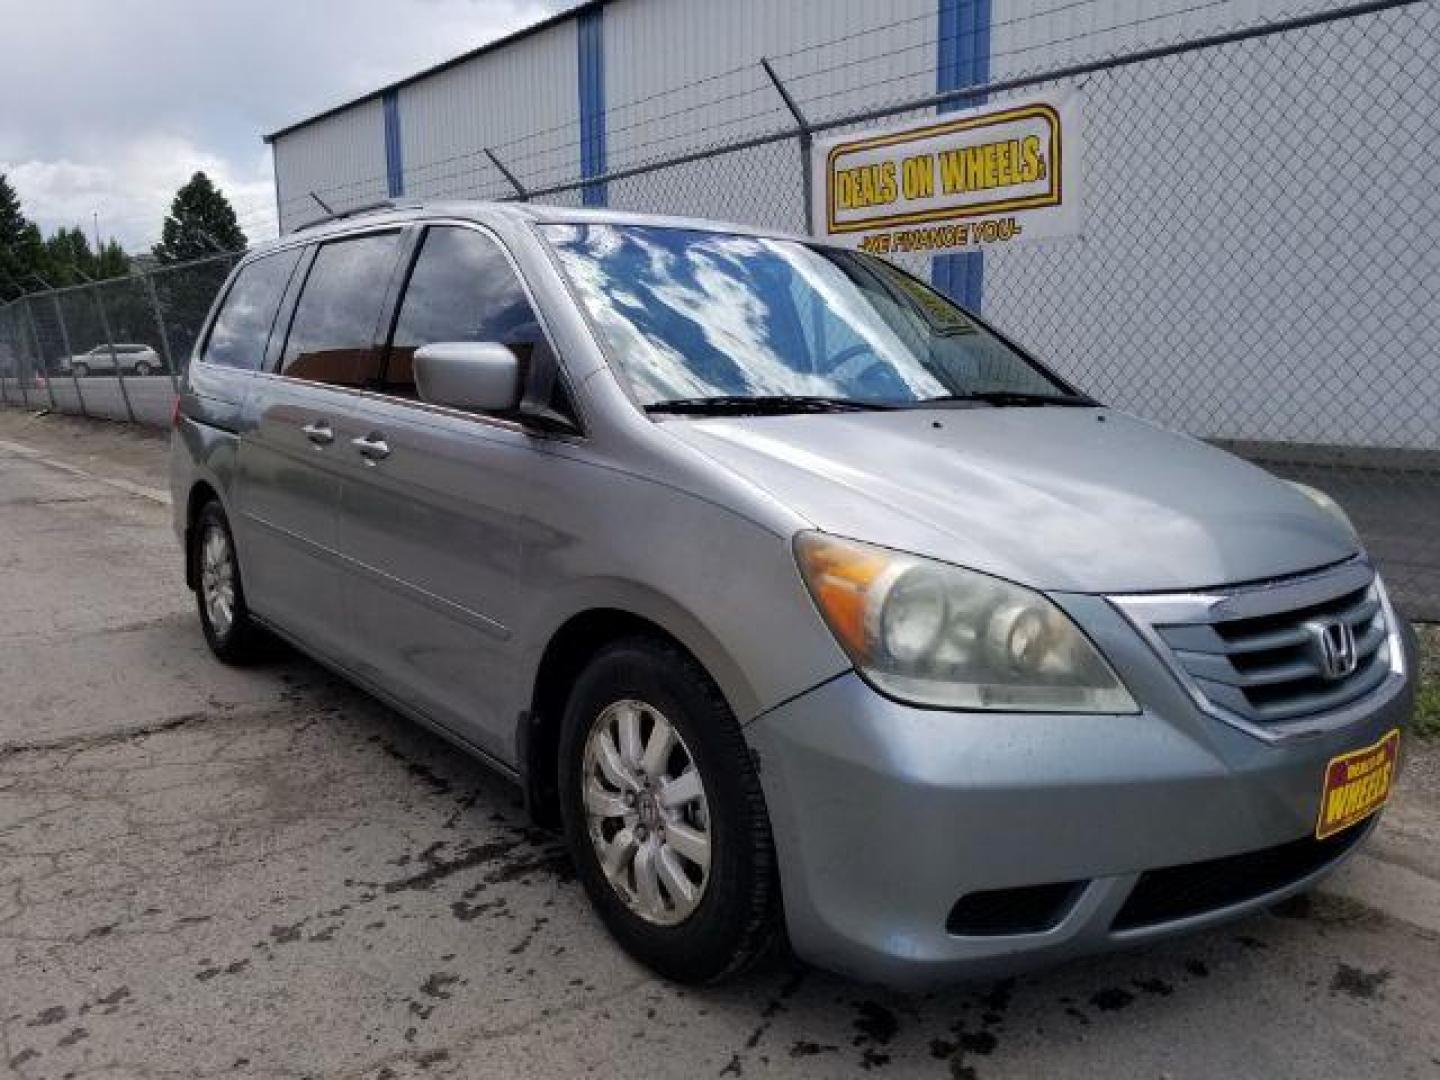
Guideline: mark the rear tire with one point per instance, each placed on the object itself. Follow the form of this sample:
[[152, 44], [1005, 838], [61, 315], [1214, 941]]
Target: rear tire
[[233, 636], [697, 921]]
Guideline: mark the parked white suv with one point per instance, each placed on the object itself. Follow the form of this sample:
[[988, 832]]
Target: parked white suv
[[104, 360]]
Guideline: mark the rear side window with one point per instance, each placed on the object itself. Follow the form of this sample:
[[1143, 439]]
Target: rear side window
[[332, 336], [242, 328], [462, 289]]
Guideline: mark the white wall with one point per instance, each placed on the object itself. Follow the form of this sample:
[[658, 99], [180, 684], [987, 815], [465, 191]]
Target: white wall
[[522, 101], [654, 46], [1259, 230], [341, 157]]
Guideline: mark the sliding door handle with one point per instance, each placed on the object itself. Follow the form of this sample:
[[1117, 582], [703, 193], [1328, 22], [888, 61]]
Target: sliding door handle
[[319, 432], [372, 447]]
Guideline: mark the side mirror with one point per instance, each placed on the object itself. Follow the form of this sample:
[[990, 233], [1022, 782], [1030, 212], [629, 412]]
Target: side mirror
[[477, 376]]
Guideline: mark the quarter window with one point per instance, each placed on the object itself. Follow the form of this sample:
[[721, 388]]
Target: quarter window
[[462, 289], [332, 336], [242, 328]]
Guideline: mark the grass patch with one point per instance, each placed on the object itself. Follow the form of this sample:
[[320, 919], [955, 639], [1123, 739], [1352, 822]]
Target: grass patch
[[1427, 694]]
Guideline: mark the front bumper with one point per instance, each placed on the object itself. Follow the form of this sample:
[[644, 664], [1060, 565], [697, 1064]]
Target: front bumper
[[884, 815]]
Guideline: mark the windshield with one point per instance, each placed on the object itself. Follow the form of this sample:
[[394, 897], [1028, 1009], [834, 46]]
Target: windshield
[[692, 314]]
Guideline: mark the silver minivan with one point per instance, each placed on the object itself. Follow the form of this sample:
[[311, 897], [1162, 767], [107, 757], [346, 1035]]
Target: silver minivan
[[807, 604]]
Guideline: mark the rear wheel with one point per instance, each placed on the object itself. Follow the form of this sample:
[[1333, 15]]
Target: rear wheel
[[664, 815], [231, 633]]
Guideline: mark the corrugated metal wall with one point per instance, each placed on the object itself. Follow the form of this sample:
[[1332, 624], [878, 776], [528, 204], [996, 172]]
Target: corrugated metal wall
[[341, 156], [1203, 276], [521, 98], [1211, 290]]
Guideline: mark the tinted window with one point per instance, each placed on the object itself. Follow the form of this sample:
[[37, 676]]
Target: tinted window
[[243, 325], [332, 334], [462, 289]]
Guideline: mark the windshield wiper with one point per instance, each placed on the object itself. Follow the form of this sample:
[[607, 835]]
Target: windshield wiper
[[1004, 398], [770, 404]]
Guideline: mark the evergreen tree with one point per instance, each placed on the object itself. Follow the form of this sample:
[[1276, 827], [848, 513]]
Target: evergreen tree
[[201, 222], [111, 261], [15, 243], [68, 258]]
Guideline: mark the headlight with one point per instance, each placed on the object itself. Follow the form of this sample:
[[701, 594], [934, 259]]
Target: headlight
[[934, 634], [1329, 505]]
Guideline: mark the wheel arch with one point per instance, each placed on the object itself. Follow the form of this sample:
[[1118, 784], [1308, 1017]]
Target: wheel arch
[[571, 645], [201, 492]]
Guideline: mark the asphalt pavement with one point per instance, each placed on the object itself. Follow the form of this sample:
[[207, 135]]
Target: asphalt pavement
[[266, 873]]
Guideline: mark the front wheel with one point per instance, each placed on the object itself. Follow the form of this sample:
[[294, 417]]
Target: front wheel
[[81, 370], [142, 369], [664, 815], [231, 633]]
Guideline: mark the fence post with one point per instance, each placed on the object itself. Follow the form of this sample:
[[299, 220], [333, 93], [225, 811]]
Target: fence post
[[40, 354], [8, 312], [520, 192], [22, 361], [803, 133], [160, 328], [69, 352], [114, 356]]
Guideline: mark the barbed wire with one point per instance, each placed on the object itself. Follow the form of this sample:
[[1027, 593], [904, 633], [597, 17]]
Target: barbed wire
[[516, 162]]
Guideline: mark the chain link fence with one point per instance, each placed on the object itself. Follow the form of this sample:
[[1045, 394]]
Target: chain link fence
[[1258, 264]]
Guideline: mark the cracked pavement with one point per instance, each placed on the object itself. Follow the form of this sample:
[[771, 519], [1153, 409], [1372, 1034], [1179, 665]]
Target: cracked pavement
[[266, 873]]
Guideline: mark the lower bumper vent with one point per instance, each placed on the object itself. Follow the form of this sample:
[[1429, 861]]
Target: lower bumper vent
[[1031, 909], [1179, 892]]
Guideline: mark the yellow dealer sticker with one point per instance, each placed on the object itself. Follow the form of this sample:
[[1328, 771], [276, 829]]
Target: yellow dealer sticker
[[997, 174], [1356, 785]]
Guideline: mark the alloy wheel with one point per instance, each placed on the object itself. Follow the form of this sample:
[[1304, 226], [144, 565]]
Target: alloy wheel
[[217, 579], [646, 811]]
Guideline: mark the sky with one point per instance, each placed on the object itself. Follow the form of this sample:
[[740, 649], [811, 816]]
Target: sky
[[108, 106]]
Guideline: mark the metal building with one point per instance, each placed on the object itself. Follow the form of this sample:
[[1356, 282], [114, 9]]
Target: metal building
[[1208, 291]]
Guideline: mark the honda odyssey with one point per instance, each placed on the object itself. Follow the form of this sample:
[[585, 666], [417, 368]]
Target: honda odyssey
[[806, 603]]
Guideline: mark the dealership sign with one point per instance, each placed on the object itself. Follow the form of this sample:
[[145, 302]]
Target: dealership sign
[[998, 174]]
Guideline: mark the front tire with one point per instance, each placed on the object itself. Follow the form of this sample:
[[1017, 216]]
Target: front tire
[[81, 370], [231, 633], [664, 815]]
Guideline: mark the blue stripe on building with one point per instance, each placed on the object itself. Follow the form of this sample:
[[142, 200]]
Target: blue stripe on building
[[394, 160], [963, 60], [590, 29]]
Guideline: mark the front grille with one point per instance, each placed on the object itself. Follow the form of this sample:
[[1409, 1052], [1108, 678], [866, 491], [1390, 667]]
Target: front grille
[[1254, 652], [1179, 892]]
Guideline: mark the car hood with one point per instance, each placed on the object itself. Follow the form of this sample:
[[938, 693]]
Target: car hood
[[1064, 499]]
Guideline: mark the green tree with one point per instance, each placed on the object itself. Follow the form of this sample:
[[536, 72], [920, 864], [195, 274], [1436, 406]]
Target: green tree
[[68, 258], [201, 222], [112, 261], [20, 245]]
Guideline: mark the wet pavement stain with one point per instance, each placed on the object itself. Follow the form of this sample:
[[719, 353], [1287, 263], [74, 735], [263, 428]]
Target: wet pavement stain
[[1358, 983], [875, 1027], [435, 985], [1157, 987], [53, 1015], [1112, 999], [806, 1048]]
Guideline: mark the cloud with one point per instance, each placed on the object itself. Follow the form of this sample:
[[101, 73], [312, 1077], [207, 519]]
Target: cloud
[[131, 188], [109, 106]]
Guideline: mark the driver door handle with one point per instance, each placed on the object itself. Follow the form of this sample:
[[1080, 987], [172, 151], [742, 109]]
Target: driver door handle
[[372, 447], [319, 432]]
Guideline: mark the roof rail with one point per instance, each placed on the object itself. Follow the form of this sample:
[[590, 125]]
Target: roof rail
[[355, 211]]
